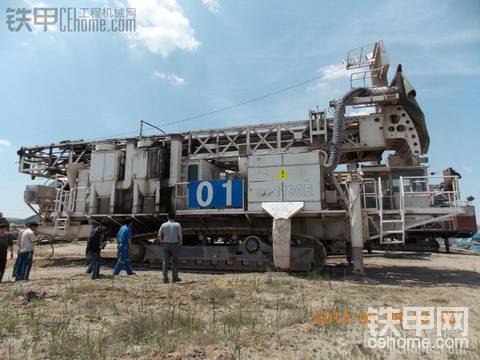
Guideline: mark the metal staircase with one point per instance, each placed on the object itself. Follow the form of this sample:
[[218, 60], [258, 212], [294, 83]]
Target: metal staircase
[[391, 222]]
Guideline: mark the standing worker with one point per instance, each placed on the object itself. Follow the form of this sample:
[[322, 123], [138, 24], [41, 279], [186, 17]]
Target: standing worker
[[170, 234], [6, 241], [124, 239], [94, 246], [16, 267], [27, 241]]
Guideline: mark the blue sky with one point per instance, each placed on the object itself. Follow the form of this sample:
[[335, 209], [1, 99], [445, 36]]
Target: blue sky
[[190, 57]]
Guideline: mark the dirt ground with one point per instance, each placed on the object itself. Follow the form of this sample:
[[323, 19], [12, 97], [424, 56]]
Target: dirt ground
[[61, 313]]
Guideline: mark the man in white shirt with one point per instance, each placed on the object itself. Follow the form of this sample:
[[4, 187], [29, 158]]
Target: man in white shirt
[[27, 241], [170, 234]]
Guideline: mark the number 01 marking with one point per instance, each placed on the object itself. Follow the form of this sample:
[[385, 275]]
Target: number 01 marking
[[205, 201]]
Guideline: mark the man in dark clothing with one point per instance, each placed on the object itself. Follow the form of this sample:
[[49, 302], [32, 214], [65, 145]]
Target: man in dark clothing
[[17, 260], [6, 241], [94, 246]]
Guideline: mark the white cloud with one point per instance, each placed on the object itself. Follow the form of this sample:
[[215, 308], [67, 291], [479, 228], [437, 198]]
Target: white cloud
[[331, 81], [172, 78], [4, 144], [333, 72], [212, 5], [161, 27]]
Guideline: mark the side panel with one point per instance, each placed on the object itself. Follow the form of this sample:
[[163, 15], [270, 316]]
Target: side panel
[[371, 131], [285, 177]]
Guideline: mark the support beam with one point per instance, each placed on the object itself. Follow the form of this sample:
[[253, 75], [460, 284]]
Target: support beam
[[175, 159], [282, 212], [354, 182]]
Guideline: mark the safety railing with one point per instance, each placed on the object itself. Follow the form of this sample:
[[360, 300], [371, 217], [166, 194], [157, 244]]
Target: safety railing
[[436, 191], [363, 78], [359, 57], [371, 196], [412, 193]]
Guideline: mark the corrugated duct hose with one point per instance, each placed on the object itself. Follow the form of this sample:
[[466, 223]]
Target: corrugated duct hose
[[337, 137], [339, 126]]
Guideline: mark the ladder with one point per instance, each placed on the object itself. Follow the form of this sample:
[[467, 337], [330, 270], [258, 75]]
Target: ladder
[[61, 212], [391, 223], [61, 227]]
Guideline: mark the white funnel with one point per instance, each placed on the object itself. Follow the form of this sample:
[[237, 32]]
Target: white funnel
[[282, 210]]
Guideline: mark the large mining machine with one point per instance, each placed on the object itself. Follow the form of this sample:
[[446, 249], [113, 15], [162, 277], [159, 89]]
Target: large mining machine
[[280, 195]]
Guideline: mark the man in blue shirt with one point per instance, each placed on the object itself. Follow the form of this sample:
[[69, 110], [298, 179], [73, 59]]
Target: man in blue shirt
[[124, 239]]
